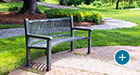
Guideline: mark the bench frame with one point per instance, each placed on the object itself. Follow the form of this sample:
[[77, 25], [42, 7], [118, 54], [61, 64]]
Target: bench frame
[[49, 41]]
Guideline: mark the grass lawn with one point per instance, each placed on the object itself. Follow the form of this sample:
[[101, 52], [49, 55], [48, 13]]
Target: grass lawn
[[50, 1], [12, 50], [7, 26]]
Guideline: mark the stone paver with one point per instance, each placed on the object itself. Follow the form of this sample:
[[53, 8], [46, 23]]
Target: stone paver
[[99, 62], [134, 9], [56, 70], [56, 6], [11, 32], [109, 24]]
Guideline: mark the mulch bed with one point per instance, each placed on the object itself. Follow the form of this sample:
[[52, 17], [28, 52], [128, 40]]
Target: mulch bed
[[13, 18]]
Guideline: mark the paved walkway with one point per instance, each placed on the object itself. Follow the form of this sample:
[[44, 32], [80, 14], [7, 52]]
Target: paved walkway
[[109, 24], [56, 6], [134, 9], [11, 32], [99, 62]]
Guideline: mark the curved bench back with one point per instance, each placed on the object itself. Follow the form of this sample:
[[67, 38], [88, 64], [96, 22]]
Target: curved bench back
[[55, 27]]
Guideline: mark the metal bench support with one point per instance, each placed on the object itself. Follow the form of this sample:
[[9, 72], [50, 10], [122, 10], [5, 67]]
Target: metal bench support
[[46, 33], [89, 42], [48, 51], [28, 56]]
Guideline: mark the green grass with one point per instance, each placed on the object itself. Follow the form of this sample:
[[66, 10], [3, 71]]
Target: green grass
[[4, 6], [7, 26], [12, 54], [51, 1], [12, 50]]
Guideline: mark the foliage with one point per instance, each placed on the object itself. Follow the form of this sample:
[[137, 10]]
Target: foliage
[[5, 6], [14, 9], [85, 6], [78, 15], [137, 4], [95, 4], [78, 2], [123, 4], [6, 26], [98, 4], [74, 2], [88, 1]]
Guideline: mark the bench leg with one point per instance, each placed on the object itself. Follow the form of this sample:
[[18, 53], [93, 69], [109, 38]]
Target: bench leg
[[89, 43], [72, 45], [48, 51], [28, 57]]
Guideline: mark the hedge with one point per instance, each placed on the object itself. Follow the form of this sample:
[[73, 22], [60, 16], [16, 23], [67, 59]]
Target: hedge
[[78, 15]]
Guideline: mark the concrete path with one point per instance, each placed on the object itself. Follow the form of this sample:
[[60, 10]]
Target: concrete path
[[109, 24], [99, 62], [11, 32], [134, 9], [56, 6]]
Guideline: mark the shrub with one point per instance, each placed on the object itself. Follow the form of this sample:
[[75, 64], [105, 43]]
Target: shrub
[[97, 4], [94, 17], [88, 1], [137, 3], [13, 9], [78, 15], [74, 2], [85, 6], [78, 2]]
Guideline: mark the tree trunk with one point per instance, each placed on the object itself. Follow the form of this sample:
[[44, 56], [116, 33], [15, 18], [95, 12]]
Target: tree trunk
[[130, 2], [30, 7], [1, 1], [63, 2], [117, 4]]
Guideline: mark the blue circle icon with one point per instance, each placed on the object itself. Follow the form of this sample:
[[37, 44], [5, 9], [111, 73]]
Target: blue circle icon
[[122, 57]]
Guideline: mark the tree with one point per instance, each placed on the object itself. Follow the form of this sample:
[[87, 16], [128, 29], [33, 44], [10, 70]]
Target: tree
[[63, 2], [117, 4], [1, 1], [30, 7]]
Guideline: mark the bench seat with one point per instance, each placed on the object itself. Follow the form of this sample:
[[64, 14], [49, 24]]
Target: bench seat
[[43, 44]]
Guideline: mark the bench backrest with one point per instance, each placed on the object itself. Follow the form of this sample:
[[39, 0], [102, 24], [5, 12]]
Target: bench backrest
[[55, 27]]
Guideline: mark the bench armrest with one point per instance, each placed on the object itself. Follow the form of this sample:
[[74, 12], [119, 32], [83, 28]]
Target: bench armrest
[[86, 29], [40, 36]]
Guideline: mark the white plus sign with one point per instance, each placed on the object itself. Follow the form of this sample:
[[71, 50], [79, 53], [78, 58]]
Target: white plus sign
[[122, 57]]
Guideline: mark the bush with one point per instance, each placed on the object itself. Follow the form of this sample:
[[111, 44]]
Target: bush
[[74, 2], [13, 9], [95, 17], [137, 4], [78, 15], [88, 1], [98, 4], [78, 2], [85, 6]]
